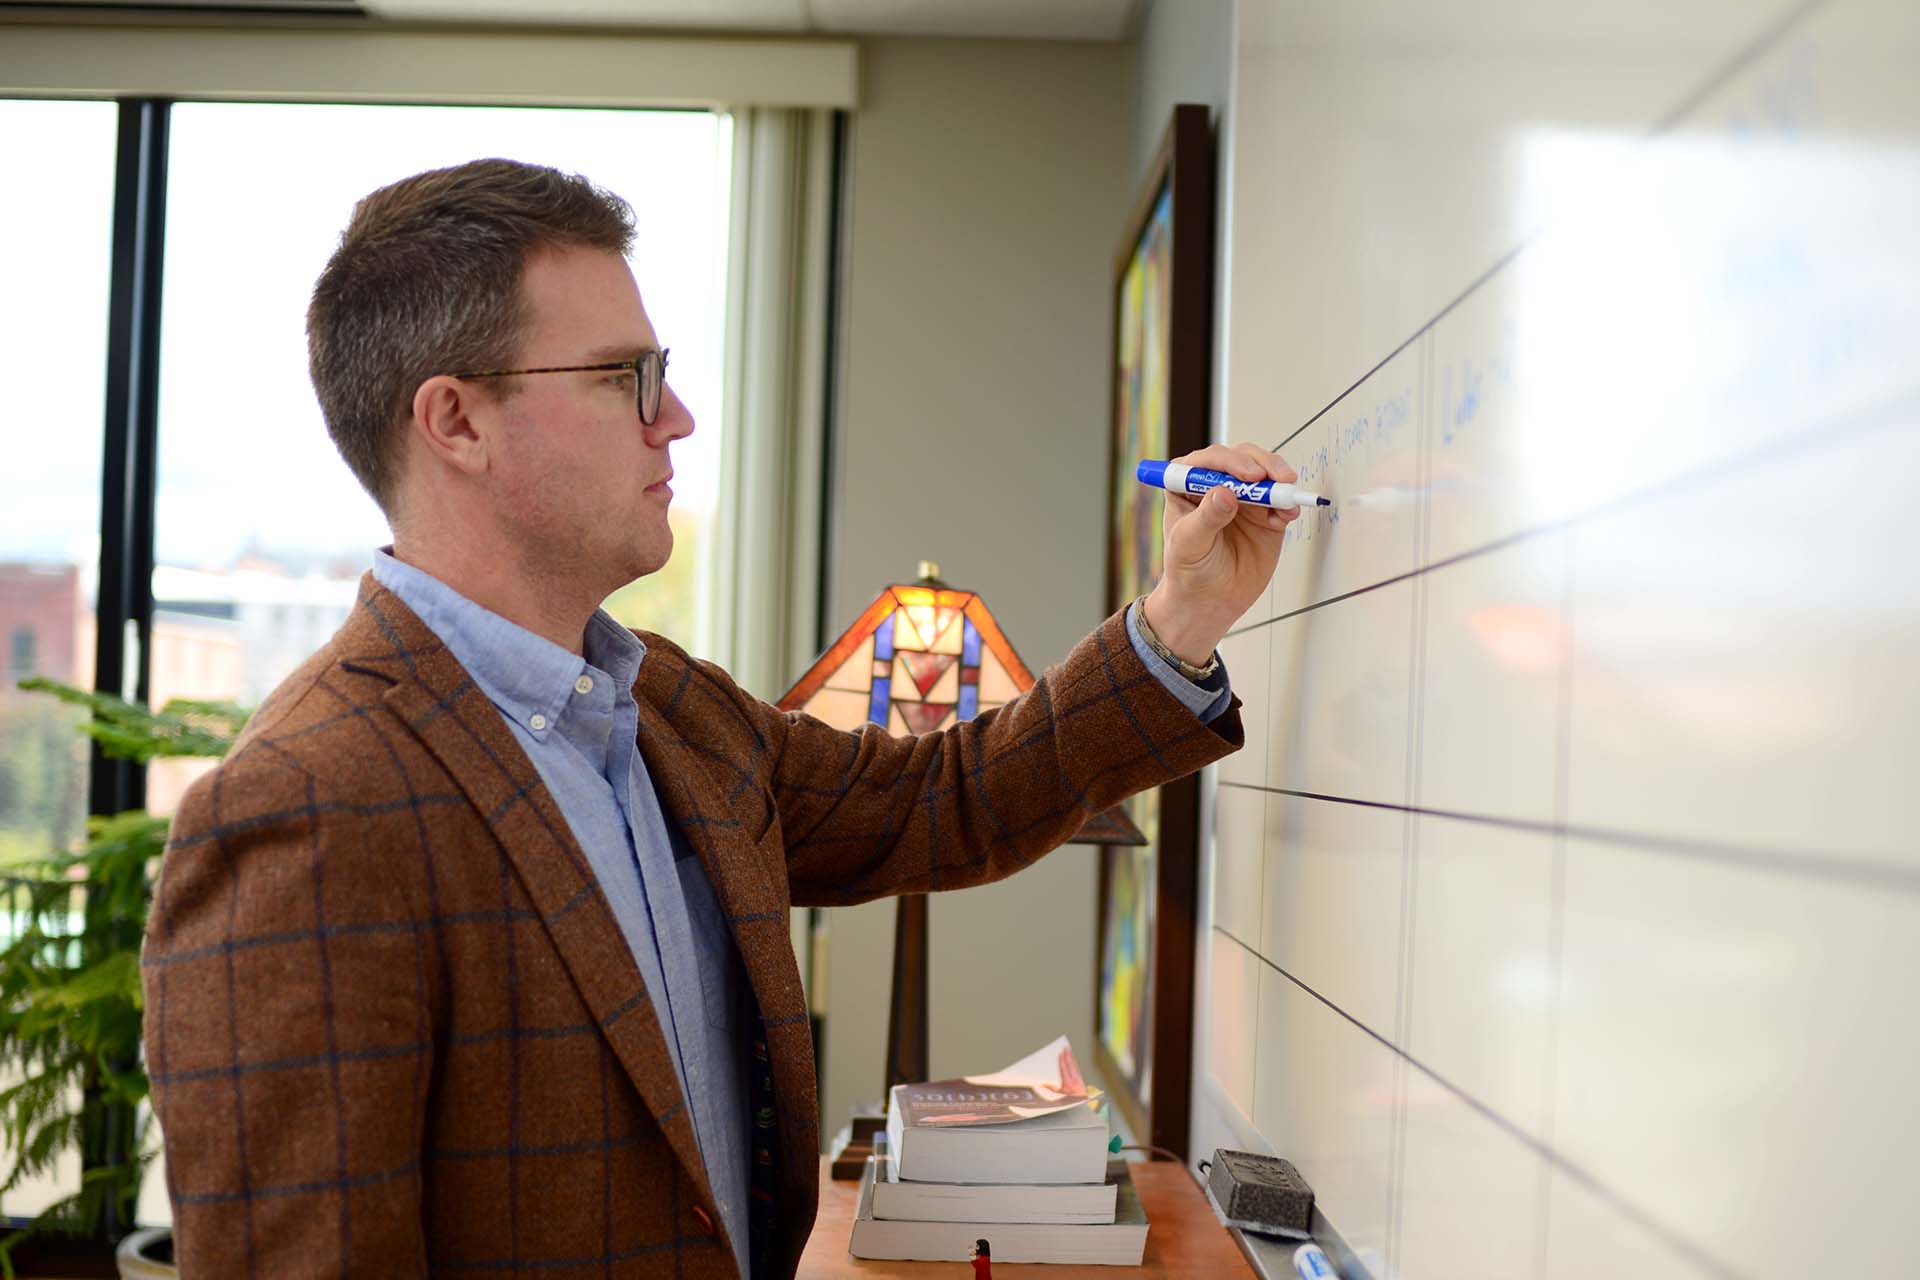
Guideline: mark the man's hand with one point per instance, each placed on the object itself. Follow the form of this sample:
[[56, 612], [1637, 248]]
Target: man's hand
[[1219, 552]]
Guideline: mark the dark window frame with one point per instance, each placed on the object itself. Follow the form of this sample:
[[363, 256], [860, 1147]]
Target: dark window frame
[[127, 463]]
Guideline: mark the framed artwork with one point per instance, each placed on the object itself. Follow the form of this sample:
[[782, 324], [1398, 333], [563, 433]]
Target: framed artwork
[[1162, 361]]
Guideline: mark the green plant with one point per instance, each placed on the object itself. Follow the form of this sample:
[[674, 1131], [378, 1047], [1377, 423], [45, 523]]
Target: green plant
[[71, 925]]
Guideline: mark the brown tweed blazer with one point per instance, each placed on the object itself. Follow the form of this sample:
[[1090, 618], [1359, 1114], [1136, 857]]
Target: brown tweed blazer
[[391, 1023]]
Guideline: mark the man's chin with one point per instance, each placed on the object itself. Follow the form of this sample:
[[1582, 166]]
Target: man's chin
[[650, 560]]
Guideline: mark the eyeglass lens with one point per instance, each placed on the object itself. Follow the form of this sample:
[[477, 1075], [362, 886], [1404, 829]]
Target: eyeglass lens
[[653, 374]]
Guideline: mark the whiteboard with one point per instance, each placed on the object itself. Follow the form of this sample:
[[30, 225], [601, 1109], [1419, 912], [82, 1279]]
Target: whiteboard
[[1566, 900]]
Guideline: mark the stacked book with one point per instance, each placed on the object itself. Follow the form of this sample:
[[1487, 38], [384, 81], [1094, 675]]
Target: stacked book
[[1019, 1158]]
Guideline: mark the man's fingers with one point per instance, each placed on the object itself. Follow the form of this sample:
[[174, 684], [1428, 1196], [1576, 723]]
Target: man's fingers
[[1272, 464], [1246, 461], [1232, 459], [1221, 506], [1214, 512], [1268, 517]]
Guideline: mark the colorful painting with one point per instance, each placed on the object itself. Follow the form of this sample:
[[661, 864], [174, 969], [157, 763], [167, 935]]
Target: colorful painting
[[1126, 950], [1162, 309], [1140, 431], [1140, 399]]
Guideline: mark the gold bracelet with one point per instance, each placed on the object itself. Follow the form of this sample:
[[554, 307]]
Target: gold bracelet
[[1167, 655]]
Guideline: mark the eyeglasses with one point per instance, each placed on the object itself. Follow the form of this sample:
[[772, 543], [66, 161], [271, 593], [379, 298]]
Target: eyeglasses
[[649, 370]]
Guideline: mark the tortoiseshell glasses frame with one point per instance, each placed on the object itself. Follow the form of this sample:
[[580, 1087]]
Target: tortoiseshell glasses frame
[[649, 370]]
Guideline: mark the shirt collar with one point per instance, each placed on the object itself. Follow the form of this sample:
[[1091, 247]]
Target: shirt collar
[[529, 677], [614, 649]]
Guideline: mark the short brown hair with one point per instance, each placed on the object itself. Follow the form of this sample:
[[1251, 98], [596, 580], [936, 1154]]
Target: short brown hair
[[427, 281]]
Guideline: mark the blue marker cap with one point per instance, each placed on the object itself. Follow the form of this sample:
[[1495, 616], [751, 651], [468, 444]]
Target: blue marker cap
[[1152, 471]]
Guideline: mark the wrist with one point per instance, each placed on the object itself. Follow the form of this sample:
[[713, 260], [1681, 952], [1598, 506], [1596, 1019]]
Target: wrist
[[1189, 639]]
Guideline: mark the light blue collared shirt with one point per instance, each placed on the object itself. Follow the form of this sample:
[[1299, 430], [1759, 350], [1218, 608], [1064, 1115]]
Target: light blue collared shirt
[[576, 719]]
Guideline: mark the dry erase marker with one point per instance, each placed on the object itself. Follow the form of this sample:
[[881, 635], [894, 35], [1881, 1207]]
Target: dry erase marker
[[1312, 1263], [1178, 477]]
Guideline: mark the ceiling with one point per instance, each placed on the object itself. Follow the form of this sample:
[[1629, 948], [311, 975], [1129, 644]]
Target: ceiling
[[1109, 20]]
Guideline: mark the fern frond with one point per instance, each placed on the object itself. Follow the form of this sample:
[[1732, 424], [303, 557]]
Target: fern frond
[[126, 730]]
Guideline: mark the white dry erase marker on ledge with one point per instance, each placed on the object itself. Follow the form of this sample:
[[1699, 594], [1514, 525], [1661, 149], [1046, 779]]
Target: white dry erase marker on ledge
[[1178, 477]]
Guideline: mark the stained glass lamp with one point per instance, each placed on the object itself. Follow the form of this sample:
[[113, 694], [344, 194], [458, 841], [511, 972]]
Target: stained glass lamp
[[921, 657]]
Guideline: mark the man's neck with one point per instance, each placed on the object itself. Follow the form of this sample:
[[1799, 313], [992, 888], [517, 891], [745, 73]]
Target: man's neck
[[541, 602]]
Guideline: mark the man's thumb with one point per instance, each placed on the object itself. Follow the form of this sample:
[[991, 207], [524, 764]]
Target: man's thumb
[[1220, 507], [1214, 513]]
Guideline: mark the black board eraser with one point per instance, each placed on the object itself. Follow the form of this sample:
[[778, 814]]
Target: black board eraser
[[1261, 1193]]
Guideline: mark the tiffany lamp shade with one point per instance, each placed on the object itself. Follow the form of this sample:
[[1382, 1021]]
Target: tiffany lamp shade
[[921, 657]]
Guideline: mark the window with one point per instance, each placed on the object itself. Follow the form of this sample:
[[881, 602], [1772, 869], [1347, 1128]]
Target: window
[[255, 507], [261, 534], [56, 232], [56, 239], [23, 651]]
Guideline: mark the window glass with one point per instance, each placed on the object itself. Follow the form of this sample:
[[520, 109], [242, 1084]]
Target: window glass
[[56, 245], [262, 532]]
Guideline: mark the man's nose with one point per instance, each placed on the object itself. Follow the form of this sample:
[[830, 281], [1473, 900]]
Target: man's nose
[[674, 422]]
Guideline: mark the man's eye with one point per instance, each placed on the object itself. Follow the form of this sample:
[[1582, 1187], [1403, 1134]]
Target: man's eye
[[622, 380]]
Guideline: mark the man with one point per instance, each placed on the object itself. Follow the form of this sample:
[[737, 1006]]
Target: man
[[473, 954]]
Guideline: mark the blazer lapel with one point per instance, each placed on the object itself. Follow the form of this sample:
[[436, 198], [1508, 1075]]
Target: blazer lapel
[[435, 697]]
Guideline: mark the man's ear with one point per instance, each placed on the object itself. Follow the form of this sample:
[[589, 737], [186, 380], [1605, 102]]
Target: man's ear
[[443, 410]]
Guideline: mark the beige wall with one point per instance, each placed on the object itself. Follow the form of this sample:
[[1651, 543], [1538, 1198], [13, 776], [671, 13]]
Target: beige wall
[[1186, 55], [988, 184]]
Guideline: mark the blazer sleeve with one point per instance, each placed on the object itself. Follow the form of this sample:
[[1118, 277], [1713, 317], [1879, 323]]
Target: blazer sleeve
[[867, 814], [286, 979]]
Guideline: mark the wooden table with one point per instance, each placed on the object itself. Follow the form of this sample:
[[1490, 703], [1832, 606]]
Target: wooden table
[[1184, 1239]]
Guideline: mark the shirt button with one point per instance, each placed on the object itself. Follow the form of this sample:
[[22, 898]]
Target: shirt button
[[706, 1220], [538, 722], [583, 685]]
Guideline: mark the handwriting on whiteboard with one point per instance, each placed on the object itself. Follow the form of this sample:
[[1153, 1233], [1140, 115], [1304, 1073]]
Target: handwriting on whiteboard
[[1350, 442], [1467, 387]]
